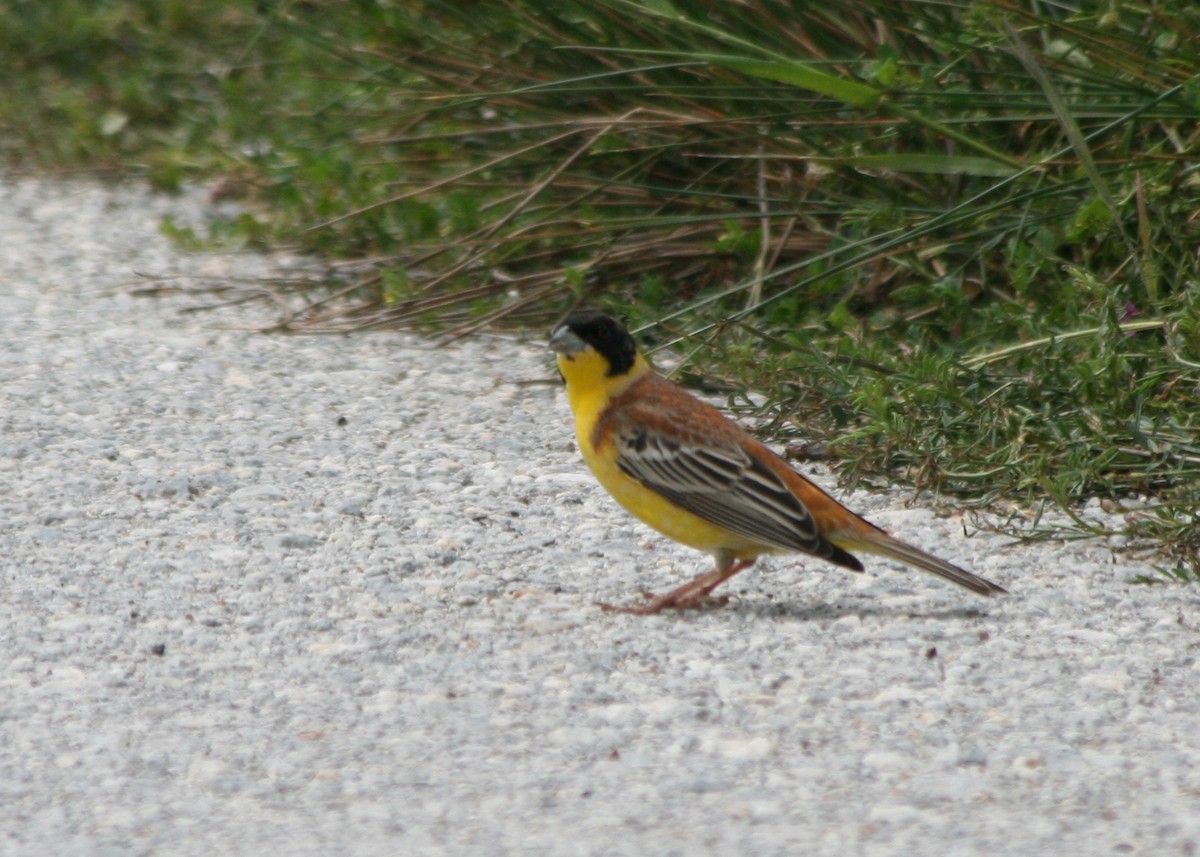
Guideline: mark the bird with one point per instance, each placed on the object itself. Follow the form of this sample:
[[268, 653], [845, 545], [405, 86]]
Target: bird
[[682, 467]]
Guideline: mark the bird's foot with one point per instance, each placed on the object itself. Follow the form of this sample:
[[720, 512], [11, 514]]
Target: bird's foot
[[693, 595], [674, 600]]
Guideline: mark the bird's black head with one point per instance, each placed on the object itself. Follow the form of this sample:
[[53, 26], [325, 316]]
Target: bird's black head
[[604, 333]]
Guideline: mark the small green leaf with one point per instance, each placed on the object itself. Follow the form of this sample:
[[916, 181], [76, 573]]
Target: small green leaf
[[841, 318], [1091, 220], [885, 72]]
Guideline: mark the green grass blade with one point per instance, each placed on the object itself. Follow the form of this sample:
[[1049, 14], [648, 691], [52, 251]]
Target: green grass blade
[[932, 164], [804, 76]]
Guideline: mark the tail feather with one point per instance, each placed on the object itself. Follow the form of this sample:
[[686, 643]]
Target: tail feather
[[893, 548]]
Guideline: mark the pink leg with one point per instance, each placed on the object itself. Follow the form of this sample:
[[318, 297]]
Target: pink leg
[[693, 594]]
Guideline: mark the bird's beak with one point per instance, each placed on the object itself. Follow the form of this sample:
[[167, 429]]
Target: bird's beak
[[565, 342]]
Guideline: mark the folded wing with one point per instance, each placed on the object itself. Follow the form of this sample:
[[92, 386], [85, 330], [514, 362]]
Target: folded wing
[[725, 486]]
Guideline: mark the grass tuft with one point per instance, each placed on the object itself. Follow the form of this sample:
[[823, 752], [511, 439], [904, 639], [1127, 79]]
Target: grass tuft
[[953, 245]]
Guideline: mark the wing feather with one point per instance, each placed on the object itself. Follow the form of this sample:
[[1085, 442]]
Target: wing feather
[[724, 485]]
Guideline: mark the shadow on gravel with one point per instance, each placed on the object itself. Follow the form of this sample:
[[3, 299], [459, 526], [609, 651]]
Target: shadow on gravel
[[824, 612]]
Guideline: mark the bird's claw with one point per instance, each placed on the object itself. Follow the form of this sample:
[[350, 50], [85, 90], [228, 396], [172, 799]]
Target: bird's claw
[[671, 601]]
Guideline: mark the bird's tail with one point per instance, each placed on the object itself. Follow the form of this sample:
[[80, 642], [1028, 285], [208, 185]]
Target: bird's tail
[[881, 543]]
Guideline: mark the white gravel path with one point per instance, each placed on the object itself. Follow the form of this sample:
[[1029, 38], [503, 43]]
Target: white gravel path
[[333, 595]]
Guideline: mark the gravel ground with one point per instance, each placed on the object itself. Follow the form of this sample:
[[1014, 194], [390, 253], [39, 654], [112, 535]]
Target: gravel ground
[[334, 595]]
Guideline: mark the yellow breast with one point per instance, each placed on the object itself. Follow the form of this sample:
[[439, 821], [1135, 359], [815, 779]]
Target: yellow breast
[[589, 393]]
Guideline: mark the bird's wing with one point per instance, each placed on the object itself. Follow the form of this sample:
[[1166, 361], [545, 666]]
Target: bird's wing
[[723, 484]]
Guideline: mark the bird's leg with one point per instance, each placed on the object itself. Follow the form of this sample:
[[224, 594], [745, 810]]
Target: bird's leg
[[693, 594]]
